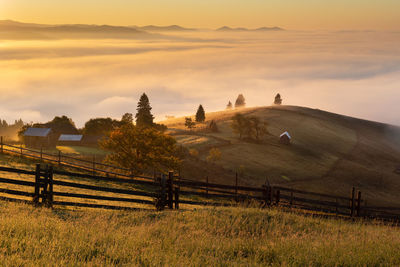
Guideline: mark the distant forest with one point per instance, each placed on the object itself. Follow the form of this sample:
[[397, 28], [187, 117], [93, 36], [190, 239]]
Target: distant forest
[[10, 131]]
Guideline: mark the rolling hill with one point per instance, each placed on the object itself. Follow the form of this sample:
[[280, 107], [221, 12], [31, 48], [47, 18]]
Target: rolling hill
[[17, 30], [329, 153]]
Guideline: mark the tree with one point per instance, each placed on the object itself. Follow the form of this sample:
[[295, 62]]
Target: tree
[[100, 126], [200, 114], [141, 149], [213, 126], [258, 128], [61, 125], [240, 101], [238, 124], [229, 106], [127, 118], [278, 99], [214, 155], [189, 123], [144, 118], [250, 127]]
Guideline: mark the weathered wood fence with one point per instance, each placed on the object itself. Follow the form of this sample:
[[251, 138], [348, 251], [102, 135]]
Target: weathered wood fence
[[46, 186], [62, 159]]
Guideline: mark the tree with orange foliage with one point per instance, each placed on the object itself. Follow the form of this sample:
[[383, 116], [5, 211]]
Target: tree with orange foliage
[[141, 149]]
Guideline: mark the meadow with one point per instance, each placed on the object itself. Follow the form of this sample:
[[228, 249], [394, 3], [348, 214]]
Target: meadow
[[203, 237], [329, 153]]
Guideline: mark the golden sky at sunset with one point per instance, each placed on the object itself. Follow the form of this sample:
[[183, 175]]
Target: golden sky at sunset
[[290, 14]]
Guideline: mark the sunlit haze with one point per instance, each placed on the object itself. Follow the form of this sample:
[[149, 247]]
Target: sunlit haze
[[340, 56]]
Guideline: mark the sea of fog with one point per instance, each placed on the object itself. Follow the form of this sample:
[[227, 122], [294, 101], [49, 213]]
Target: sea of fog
[[348, 72]]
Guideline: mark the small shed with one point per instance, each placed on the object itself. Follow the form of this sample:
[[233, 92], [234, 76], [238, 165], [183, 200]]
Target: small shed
[[39, 138], [285, 138], [70, 140]]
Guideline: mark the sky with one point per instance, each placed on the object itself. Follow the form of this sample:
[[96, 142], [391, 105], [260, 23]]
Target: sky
[[290, 14]]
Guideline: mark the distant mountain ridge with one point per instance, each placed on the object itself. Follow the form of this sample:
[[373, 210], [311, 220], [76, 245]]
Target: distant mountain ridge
[[15, 25], [240, 29], [163, 28]]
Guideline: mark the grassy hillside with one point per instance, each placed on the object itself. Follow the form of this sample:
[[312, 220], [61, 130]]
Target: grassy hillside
[[205, 237], [329, 152]]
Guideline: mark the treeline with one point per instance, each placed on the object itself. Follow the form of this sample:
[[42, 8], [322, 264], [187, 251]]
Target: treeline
[[10, 131], [95, 126]]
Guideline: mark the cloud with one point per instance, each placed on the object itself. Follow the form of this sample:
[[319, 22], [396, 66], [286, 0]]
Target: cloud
[[340, 72]]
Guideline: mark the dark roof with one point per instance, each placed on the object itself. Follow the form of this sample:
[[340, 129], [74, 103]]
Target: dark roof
[[70, 137], [41, 132]]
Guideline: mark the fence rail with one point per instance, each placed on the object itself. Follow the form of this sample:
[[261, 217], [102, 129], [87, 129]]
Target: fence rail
[[169, 191], [67, 160]]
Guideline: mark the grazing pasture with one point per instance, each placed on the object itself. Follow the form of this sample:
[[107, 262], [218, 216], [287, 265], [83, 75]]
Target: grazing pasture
[[201, 237], [328, 153]]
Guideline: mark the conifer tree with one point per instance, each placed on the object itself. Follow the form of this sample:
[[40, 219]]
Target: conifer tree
[[229, 106], [200, 114], [240, 101], [144, 118], [278, 99]]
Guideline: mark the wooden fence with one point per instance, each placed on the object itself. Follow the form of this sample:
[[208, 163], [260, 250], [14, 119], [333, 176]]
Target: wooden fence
[[50, 187], [62, 159]]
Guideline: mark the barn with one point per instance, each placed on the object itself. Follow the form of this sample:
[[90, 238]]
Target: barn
[[39, 138], [285, 138], [70, 140]]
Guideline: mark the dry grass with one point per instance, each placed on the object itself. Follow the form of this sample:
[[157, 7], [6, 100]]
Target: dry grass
[[329, 153], [204, 237]]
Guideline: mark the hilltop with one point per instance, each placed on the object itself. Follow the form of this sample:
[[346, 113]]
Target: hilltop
[[329, 153]]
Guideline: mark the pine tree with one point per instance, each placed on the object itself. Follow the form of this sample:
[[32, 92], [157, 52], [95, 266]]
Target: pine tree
[[144, 118], [240, 101], [229, 106], [200, 114], [278, 99]]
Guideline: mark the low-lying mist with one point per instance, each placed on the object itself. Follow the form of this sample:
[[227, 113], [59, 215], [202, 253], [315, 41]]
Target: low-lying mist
[[352, 73]]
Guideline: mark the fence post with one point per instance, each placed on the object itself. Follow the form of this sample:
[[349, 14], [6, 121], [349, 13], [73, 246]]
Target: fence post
[[291, 198], [359, 204], [271, 194], [94, 164], [265, 194], [207, 185], [45, 186], [1, 144], [337, 207], [353, 192], [51, 196], [278, 196], [177, 198], [59, 157], [162, 181], [170, 189], [21, 150], [37, 185], [236, 188], [41, 153]]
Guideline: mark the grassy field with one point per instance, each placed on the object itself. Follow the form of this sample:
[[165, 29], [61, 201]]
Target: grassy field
[[329, 153], [204, 237]]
